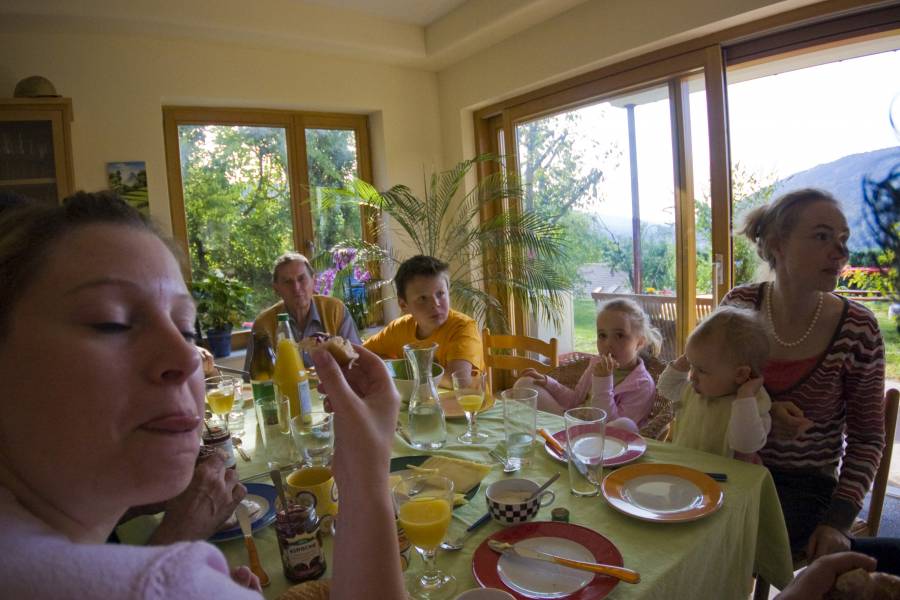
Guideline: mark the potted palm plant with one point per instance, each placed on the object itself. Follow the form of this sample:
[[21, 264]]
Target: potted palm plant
[[508, 254], [222, 303]]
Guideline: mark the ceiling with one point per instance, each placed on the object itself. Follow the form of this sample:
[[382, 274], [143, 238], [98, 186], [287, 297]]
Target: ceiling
[[411, 12]]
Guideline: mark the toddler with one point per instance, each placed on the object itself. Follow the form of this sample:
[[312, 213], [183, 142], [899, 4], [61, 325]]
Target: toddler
[[617, 380], [715, 386]]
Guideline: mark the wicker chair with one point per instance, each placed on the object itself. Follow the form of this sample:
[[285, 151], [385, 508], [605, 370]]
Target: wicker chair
[[661, 414]]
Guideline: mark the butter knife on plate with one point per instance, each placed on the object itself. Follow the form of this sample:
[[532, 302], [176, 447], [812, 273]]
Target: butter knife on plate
[[243, 518], [620, 573]]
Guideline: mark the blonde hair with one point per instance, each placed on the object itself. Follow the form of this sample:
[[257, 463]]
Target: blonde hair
[[740, 333], [766, 224], [639, 320]]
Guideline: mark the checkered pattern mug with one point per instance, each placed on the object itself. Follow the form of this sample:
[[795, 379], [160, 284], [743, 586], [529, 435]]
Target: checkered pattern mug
[[507, 500]]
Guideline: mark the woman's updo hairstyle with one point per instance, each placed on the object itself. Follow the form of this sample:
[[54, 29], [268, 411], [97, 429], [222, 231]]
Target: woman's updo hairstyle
[[28, 230], [766, 224]]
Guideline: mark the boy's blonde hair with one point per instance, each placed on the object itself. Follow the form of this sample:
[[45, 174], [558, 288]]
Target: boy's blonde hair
[[639, 320], [740, 333]]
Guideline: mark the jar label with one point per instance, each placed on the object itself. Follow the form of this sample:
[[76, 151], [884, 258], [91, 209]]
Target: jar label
[[227, 447], [300, 551]]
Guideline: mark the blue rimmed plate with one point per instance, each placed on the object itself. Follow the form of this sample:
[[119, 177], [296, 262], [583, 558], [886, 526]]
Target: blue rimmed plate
[[264, 495]]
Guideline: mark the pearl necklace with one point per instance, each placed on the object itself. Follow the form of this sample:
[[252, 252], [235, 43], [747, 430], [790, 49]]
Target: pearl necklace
[[808, 329]]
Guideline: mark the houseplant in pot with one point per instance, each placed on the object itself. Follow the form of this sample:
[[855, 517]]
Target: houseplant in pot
[[222, 303]]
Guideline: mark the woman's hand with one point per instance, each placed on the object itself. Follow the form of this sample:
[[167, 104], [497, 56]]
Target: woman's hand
[[605, 365], [198, 511], [788, 421], [244, 577], [209, 365], [826, 540], [538, 378], [818, 578], [365, 405]]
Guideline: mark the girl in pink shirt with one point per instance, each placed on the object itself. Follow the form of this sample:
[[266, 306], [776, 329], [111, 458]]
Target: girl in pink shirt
[[615, 380]]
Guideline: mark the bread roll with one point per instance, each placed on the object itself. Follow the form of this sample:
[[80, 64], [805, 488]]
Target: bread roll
[[341, 349], [859, 584]]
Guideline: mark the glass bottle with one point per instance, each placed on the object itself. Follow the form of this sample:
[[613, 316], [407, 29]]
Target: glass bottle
[[427, 428], [291, 380], [262, 374]]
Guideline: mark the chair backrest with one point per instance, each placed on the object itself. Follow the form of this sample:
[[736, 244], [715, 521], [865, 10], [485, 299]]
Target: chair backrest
[[876, 504], [517, 359]]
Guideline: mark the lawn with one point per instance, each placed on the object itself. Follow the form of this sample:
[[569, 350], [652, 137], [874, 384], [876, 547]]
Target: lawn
[[586, 333]]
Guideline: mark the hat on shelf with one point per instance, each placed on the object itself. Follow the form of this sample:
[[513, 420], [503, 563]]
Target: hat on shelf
[[35, 87]]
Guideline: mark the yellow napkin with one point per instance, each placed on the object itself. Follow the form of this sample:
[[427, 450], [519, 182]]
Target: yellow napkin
[[465, 474]]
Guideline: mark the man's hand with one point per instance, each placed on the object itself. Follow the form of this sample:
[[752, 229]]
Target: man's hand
[[198, 511], [749, 388], [538, 378], [605, 365], [826, 540], [788, 421], [365, 405], [818, 578]]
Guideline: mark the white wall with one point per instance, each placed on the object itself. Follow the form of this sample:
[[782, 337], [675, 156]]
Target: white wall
[[119, 83]]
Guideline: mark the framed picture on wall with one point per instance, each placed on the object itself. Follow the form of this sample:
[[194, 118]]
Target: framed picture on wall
[[129, 180]]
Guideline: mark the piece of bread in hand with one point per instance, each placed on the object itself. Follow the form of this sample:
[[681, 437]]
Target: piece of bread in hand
[[308, 590], [341, 349], [859, 584]]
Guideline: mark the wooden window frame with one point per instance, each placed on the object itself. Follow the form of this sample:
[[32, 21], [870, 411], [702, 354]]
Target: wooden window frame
[[295, 124], [798, 29]]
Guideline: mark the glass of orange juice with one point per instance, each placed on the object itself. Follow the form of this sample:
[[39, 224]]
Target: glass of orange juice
[[470, 389], [221, 394], [424, 505]]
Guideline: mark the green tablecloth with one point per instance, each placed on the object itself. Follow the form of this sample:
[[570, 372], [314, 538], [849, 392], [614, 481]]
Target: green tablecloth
[[714, 557]]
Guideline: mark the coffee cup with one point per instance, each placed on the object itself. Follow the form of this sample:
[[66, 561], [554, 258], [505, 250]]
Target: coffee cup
[[509, 502], [319, 482]]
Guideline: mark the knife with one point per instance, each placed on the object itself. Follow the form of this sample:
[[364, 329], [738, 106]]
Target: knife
[[243, 518], [621, 573], [554, 443]]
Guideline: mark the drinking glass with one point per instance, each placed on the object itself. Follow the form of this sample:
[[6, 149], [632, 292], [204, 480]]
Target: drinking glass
[[221, 394], [424, 505], [470, 389], [519, 424], [314, 437], [585, 436]]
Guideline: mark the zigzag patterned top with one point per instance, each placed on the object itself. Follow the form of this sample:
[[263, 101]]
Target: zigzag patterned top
[[844, 396]]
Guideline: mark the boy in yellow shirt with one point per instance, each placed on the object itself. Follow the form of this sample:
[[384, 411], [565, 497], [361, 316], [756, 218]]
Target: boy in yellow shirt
[[423, 293]]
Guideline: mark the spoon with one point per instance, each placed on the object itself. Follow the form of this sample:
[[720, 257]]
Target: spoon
[[236, 441], [538, 491], [458, 542], [508, 467]]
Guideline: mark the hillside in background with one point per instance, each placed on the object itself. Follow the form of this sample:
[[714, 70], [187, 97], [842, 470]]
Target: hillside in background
[[843, 179]]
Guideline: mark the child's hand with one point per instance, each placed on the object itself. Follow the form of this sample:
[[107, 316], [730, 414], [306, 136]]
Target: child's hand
[[604, 367], [749, 388], [538, 378], [682, 364]]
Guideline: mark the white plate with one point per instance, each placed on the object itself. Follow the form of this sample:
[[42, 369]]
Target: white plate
[[662, 494], [539, 579]]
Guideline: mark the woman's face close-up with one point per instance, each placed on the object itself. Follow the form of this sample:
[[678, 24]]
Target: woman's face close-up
[[103, 391], [815, 251]]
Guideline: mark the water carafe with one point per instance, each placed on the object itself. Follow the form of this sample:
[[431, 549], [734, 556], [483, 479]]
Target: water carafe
[[427, 429]]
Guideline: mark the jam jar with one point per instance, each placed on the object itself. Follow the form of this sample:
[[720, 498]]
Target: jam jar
[[300, 539]]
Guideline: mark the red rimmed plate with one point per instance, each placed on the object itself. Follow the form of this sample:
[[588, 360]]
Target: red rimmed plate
[[620, 447], [485, 560], [662, 493]]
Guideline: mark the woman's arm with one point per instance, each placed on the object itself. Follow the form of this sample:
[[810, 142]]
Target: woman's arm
[[365, 402]]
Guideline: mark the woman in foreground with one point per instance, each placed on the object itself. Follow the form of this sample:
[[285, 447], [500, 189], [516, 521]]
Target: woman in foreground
[[103, 393]]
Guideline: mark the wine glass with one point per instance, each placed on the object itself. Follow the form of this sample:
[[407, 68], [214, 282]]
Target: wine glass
[[221, 394], [470, 388], [424, 505]]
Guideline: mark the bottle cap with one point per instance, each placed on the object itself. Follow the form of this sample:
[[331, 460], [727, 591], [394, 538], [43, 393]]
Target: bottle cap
[[283, 316], [560, 514]]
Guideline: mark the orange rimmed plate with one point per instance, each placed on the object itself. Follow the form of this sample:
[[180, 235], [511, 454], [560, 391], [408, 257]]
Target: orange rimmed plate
[[452, 409], [662, 493]]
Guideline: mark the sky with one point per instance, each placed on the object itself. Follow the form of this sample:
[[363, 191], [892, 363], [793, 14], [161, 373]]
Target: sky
[[779, 125]]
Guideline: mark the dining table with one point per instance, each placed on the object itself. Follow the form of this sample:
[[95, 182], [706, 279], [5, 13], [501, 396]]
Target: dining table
[[715, 556]]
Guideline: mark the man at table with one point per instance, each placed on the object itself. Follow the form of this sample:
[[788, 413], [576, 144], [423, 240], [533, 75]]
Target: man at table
[[423, 292], [292, 279]]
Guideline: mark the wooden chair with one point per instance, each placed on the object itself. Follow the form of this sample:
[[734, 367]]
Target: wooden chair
[[869, 527], [516, 358], [661, 414]]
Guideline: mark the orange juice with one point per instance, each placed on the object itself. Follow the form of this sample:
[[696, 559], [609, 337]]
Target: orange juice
[[220, 401], [470, 402], [425, 521]]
